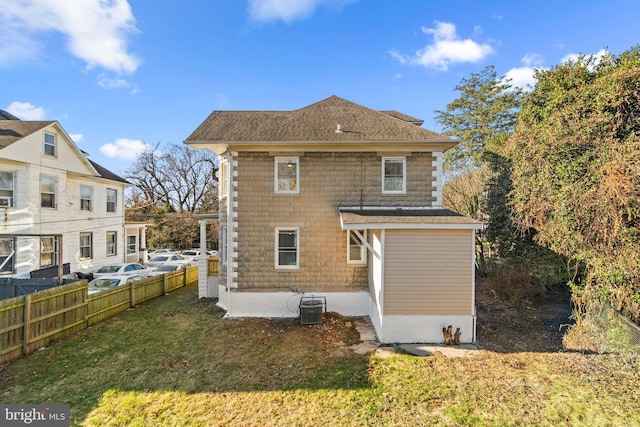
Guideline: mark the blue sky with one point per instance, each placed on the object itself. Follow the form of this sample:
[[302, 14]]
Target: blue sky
[[118, 75]]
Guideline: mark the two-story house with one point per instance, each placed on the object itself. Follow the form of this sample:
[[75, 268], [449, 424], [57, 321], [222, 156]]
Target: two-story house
[[343, 202], [58, 207]]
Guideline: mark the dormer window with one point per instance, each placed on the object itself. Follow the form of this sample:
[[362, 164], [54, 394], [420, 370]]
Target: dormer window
[[49, 144]]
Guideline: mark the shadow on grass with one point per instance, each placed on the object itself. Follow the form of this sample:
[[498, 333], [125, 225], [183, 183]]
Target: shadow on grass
[[177, 345]]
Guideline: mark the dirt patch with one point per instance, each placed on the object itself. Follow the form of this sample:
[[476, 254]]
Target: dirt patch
[[531, 326]]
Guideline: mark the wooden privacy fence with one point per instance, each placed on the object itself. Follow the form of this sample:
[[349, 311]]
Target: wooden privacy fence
[[32, 321]]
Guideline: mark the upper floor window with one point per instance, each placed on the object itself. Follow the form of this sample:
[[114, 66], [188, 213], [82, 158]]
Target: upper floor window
[[223, 179], [7, 255], [356, 251], [86, 245], [112, 199], [86, 198], [49, 144], [112, 238], [394, 175], [6, 189], [48, 251], [287, 175], [287, 248], [47, 191]]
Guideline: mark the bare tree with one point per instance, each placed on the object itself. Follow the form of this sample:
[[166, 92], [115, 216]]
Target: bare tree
[[175, 177]]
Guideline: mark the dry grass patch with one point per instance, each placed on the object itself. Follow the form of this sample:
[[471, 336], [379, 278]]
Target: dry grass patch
[[175, 361]]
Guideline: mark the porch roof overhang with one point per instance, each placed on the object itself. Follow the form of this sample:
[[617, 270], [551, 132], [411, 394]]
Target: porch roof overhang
[[363, 218]]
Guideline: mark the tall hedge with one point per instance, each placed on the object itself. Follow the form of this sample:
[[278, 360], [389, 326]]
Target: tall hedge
[[575, 168]]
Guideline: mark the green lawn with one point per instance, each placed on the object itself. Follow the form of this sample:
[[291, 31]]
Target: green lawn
[[174, 361]]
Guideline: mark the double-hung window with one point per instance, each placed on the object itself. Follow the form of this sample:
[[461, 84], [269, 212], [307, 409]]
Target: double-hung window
[[86, 198], [49, 144], [287, 248], [6, 189], [112, 199], [48, 251], [394, 175], [287, 175], [356, 250], [112, 245], [47, 191], [86, 245]]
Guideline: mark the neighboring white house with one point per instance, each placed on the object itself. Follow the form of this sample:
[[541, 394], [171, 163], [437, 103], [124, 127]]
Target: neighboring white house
[[56, 205]]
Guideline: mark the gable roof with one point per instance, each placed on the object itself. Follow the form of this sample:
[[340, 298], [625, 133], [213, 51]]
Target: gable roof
[[14, 130], [107, 174], [5, 115], [331, 120]]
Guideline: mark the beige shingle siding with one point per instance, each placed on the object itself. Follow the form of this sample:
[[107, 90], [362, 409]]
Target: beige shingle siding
[[327, 181], [428, 272]]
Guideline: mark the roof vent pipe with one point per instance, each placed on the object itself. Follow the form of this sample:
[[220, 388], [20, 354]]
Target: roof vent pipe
[[339, 129]]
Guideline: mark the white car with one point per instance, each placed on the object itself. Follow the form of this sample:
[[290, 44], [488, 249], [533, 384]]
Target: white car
[[194, 254], [167, 268], [125, 269], [158, 260], [103, 283], [164, 251]]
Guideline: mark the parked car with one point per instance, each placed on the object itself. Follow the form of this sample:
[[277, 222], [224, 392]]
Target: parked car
[[103, 283], [163, 251], [194, 254], [166, 258], [167, 268], [126, 269]]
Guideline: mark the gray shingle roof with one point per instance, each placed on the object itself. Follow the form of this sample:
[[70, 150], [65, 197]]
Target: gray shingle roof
[[372, 216], [316, 122], [14, 130]]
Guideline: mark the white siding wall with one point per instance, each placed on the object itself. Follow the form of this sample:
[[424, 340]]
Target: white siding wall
[[28, 218]]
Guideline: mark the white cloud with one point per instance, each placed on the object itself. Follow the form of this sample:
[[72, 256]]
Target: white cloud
[[77, 137], [289, 10], [447, 48], [96, 30], [109, 83], [573, 57], [523, 77], [26, 111], [124, 148]]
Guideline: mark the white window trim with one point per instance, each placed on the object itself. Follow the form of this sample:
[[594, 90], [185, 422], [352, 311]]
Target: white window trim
[[55, 192], [115, 243], [223, 179], [277, 249], [115, 206], [278, 160], [54, 251], [135, 244], [45, 144], [11, 200], [89, 199], [359, 234], [90, 246], [404, 175]]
